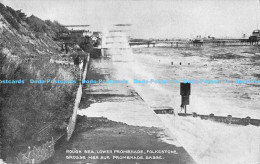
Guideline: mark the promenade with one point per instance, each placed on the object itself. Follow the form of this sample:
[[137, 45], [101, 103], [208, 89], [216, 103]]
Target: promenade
[[119, 124]]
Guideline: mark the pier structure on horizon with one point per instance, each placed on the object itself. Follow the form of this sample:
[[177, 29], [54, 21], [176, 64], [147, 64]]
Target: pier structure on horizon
[[254, 39]]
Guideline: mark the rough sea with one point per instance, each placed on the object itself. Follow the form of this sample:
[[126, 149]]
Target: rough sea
[[206, 141]]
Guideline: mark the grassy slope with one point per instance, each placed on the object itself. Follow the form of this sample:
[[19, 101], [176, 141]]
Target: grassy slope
[[26, 44]]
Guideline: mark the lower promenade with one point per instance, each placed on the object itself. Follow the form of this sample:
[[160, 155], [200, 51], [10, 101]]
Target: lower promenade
[[114, 117]]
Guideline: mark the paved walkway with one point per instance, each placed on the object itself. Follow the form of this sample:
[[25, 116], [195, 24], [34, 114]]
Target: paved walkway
[[119, 102], [118, 119]]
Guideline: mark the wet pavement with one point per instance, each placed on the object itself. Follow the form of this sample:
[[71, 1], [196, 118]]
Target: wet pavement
[[120, 103], [117, 127]]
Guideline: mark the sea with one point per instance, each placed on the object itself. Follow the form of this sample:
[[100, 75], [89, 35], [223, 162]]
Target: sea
[[206, 141], [225, 80], [239, 66]]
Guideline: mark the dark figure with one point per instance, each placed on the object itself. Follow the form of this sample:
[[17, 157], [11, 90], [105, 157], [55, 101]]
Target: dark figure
[[180, 63], [77, 60], [188, 63], [66, 48], [171, 63], [62, 47]]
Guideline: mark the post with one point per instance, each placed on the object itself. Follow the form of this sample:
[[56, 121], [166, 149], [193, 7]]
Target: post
[[185, 95]]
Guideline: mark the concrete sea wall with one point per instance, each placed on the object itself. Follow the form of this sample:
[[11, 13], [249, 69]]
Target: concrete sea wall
[[73, 118]]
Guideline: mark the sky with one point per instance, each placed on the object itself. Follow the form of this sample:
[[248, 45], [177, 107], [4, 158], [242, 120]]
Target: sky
[[152, 18]]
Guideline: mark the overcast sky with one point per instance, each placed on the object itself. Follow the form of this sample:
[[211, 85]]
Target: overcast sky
[[152, 18]]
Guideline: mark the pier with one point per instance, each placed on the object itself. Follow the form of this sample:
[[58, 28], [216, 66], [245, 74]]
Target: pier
[[195, 43]]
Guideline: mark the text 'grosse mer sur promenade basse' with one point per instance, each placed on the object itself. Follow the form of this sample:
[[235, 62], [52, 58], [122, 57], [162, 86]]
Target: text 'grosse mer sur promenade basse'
[[134, 81]]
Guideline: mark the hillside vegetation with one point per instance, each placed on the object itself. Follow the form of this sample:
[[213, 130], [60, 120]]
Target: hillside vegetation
[[26, 46]]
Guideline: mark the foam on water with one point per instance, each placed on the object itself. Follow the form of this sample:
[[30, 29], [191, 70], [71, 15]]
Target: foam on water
[[223, 99], [206, 141], [214, 143], [127, 112]]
